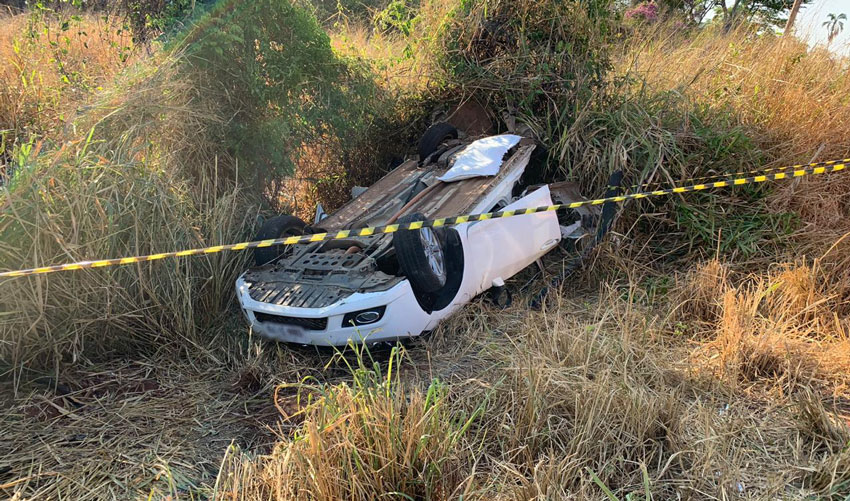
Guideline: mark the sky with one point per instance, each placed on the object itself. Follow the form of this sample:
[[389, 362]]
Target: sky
[[811, 17]]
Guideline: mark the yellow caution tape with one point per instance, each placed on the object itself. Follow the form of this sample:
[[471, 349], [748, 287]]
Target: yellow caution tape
[[747, 173], [791, 172]]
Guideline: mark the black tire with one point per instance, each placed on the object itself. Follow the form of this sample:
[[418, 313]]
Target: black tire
[[421, 256], [433, 137], [277, 227]]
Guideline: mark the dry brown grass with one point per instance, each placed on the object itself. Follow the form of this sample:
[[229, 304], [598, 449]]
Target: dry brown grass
[[780, 331], [530, 405], [140, 186], [360, 440], [791, 101], [132, 429], [48, 71], [793, 98], [385, 52], [699, 294], [564, 395]]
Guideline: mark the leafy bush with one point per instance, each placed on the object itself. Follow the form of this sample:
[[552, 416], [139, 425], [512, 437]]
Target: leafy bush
[[532, 57], [147, 19], [271, 68], [398, 16]]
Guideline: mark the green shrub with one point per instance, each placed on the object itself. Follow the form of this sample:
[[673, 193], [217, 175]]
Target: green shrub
[[527, 56], [397, 16], [270, 67]]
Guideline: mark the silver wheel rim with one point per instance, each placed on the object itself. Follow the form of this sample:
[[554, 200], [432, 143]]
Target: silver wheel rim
[[433, 252]]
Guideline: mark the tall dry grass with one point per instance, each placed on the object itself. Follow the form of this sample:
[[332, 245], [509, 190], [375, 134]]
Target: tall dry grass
[[52, 64], [791, 98], [569, 403], [365, 439], [136, 178], [791, 101], [780, 331]]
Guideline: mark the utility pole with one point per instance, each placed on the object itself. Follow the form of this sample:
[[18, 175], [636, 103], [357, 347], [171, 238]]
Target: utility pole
[[791, 17]]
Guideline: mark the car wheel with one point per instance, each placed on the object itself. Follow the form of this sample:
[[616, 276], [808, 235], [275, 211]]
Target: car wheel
[[433, 137], [420, 255], [277, 227]]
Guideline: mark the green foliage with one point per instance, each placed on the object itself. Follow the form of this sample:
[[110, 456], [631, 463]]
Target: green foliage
[[147, 19], [330, 11], [527, 55], [653, 137], [397, 16], [545, 62], [58, 32], [834, 25], [271, 68], [745, 230], [767, 13]]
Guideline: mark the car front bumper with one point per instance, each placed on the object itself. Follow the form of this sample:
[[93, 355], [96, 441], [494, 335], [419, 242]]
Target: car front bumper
[[400, 317]]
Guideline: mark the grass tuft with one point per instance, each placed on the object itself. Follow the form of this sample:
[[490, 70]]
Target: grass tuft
[[368, 438]]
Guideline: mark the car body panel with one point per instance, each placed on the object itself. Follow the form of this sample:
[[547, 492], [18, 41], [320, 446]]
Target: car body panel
[[503, 247], [529, 237]]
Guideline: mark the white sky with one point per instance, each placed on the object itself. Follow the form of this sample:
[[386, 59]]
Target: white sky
[[811, 17]]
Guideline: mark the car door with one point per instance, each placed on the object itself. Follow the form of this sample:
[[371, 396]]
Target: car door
[[500, 248]]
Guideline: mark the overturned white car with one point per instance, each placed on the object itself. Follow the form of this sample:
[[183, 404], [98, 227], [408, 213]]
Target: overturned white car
[[391, 286]]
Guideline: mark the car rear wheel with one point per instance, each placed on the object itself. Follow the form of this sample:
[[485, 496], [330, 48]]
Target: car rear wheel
[[434, 137], [277, 227], [420, 255]]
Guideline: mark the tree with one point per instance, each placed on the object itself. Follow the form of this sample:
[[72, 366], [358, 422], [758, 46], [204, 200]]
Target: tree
[[728, 12], [694, 11], [835, 25], [766, 12], [789, 25]]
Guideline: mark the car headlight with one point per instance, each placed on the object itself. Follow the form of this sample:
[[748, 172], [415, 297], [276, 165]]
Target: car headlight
[[363, 317]]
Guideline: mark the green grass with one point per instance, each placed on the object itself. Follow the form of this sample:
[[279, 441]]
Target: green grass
[[732, 230]]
